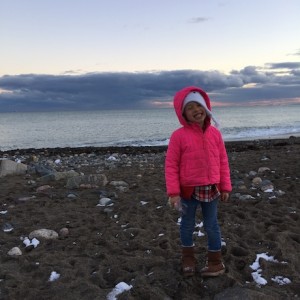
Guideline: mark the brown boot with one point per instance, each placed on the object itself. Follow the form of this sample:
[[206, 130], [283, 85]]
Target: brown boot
[[214, 265], [188, 261]]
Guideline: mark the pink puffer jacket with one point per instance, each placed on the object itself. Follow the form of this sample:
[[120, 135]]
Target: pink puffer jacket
[[195, 157]]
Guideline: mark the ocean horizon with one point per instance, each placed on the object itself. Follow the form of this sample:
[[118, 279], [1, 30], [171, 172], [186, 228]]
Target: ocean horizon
[[152, 127]]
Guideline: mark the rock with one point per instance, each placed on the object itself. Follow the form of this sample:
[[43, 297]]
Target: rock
[[242, 187], [105, 202], [263, 169], [265, 157], [64, 232], [108, 211], [15, 251], [112, 158], [65, 175], [7, 227], [245, 197], [252, 174], [9, 167], [71, 196], [93, 180], [43, 188], [267, 188], [26, 198], [266, 185], [118, 183], [122, 186], [41, 170], [256, 181], [47, 234]]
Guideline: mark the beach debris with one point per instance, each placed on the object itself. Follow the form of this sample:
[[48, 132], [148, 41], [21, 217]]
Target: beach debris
[[256, 275], [54, 276], [281, 280], [118, 289], [7, 227], [3, 212], [30, 244], [9, 167], [15, 251], [57, 161], [47, 234]]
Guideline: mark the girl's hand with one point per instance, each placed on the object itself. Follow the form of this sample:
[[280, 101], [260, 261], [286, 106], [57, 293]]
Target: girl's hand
[[174, 201], [224, 196]]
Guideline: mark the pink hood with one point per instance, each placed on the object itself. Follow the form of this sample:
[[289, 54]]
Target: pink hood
[[179, 99]]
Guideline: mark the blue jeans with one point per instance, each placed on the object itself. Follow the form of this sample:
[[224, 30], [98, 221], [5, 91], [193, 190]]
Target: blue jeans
[[210, 223]]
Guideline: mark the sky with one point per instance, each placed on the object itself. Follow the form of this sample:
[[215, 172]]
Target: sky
[[131, 54]]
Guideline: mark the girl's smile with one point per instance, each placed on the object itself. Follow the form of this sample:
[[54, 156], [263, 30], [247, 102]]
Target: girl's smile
[[195, 113]]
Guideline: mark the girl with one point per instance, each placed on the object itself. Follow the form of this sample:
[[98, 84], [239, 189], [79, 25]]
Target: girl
[[197, 174]]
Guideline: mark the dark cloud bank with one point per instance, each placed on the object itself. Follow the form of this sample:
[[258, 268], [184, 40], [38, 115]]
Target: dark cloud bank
[[124, 90]]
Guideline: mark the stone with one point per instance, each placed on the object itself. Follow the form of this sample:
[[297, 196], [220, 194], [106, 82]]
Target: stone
[[92, 179], [43, 188], [252, 174], [64, 232], [263, 169], [7, 227], [9, 167], [246, 197], [256, 181], [105, 202], [15, 251], [65, 175], [47, 234]]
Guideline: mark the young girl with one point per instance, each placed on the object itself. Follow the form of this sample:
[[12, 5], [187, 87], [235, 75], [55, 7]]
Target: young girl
[[197, 173]]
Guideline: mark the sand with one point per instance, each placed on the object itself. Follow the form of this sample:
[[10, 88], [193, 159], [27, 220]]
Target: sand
[[136, 240]]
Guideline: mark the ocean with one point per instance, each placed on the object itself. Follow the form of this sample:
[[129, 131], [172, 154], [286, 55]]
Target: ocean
[[105, 128]]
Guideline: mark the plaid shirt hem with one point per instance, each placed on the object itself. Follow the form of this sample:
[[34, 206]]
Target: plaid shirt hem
[[206, 193]]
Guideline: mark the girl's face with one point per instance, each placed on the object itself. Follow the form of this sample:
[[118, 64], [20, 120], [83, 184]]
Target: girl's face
[[194, 113]]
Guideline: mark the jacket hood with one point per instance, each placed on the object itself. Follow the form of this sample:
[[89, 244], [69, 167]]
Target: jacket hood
[[179, 99]]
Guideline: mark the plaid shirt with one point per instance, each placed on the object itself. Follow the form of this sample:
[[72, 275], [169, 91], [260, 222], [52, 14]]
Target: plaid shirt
[[206, 193]]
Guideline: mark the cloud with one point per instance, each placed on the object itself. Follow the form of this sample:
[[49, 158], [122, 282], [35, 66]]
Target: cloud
[[284, 65], [137, 90], [198, 20]]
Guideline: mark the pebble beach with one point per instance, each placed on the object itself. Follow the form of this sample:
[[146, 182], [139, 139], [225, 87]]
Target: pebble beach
[[93, 223]]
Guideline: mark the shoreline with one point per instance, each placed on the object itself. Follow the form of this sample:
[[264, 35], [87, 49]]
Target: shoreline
[[237, 145]]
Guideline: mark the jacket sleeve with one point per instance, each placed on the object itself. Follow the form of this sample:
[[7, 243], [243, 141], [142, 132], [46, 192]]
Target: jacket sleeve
[[225, 182], [172, 164]]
